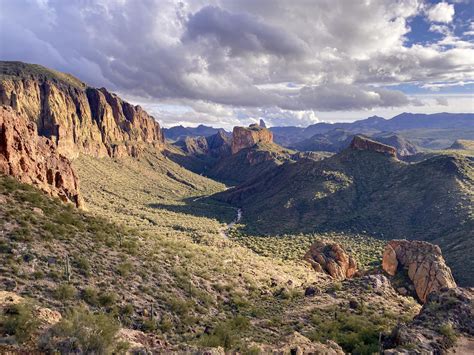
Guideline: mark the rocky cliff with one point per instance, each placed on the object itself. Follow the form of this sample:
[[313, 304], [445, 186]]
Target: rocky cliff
[[34, 159], [362, 143], [424, 263], [246, 137], [77, 118]]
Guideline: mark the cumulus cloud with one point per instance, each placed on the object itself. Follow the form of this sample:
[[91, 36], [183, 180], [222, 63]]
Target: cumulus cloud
[[240, 60], [441, 12]]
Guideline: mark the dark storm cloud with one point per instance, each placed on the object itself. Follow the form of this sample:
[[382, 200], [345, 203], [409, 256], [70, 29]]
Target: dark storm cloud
[[241, 33]]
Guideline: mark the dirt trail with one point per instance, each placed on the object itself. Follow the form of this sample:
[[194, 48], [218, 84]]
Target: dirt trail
[[223, 232]]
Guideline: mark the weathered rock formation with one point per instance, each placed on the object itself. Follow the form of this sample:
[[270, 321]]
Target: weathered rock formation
[[262, 124], [246, 137], [424, 263], [432, 331], [362, 143], [216, 145], [35, 160], [332, 259], [78, 119]]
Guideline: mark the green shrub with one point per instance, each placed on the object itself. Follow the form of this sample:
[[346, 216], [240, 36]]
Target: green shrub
[[65, 292], [226, 334], [124, 269], [107, 299], [84, 332], [83, 265], [20, 321], [449, 334], [91, 296]]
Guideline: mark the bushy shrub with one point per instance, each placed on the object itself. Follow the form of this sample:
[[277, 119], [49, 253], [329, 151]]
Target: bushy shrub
[[19, 320], [226, 334], [65, 292], [81, 331]]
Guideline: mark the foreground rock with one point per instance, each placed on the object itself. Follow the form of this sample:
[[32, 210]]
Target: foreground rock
[[332, 259], [424, 263], [446, 319], [35, 160], [246, 137], [77, 118], [362, 143]]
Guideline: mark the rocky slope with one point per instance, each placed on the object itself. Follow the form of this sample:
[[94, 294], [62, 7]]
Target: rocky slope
[[34, 159], [367, 191], [77, 118]]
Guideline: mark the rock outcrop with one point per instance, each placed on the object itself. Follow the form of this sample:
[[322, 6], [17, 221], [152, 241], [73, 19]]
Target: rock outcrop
[[77, 118], [34, 160], [216, 145], [363, 143], [332, 259], [432, 331], [246, 137], [424, 263]]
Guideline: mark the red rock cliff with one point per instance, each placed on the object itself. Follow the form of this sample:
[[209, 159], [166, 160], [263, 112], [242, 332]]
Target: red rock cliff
[[33, 159], [76, 118], [246, 137]]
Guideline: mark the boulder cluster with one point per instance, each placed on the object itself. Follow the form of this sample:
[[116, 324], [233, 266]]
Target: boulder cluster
[[422, 261]]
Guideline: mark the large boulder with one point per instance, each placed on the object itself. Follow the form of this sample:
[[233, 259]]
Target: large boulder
[[34, 160], [424, 263], [246, 137], [332, 259]]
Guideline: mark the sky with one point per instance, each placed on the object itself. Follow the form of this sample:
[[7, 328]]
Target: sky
[[233, 62]]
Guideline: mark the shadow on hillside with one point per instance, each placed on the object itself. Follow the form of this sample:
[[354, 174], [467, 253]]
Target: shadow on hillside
[[201, 207]]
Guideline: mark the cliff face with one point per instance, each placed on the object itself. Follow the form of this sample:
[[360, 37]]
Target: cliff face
[[34, 159], [79, 119], [246, 137], [361, 143]]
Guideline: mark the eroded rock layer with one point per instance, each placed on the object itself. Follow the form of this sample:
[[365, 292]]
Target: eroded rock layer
[[424, 263], [34, 159]]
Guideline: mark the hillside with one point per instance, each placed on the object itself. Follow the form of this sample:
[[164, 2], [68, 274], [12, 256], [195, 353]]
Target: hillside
[[367, 191], [177, 133]]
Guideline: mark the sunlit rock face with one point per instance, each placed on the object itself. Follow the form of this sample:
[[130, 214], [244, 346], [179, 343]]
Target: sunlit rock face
[[34, 159], [246, 137], [424, 263]]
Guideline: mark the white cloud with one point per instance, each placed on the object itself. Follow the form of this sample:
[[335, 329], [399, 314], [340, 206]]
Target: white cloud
[[441, 12], [229, 61]]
